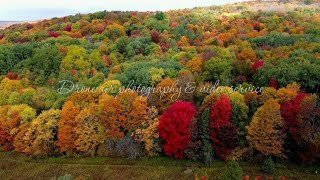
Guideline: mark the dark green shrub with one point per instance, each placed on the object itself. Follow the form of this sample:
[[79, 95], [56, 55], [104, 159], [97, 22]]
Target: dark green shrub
[[204, 133], [232, 171], [268, 166]]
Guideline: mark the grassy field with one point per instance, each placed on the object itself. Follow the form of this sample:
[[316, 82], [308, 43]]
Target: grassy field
[[15, 166]]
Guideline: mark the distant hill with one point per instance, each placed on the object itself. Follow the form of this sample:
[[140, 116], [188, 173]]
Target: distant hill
[[4, 24]]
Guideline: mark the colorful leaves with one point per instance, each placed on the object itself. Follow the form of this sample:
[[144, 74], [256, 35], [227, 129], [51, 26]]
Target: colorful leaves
[[265, 130], [256, 65], [222, 132], [174, 127], [41, 134], [53, 34]]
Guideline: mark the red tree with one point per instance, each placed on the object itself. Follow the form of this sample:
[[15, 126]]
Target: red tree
[[53, 34], [155, 37], [29, 26], [174, 128], [226, 141], [68, 28], [222, 132], [273, 83], [220, 112], [21, 40], [164, 46], [12, 75], [298, 115], [256, 65], [135, 13], [290, 112]]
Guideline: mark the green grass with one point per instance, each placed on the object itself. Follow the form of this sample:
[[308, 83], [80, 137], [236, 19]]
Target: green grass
[[17, 166]]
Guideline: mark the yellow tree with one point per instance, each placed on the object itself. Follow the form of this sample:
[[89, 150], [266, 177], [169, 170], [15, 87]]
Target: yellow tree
[[265, 130], [285, 95], [111, 87], [267, 93], [195, 65], [148, 135], [41, 134], [157, 75], [114, 31], [151, 140], [288, 93], [89, 131], [183, 42], [76, 58], [11, 118], [11, 85]]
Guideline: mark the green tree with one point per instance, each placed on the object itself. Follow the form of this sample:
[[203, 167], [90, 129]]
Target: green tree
[[77, 59], [6, 59], [204, 132], [220, 67], [44, 64], [239, 116]]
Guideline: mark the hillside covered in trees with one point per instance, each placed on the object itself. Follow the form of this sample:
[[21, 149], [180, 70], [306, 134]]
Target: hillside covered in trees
[[252, 70]]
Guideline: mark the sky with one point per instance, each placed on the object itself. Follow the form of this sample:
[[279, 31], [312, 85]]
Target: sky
[[26, 10]]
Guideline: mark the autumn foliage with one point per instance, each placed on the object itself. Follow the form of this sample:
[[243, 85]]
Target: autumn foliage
[[39, 136], [174, 128], [11, 119], [222, 131], [66, 133], [5, 139], [265, 130], [290, 111], [253, 79], [256, 65]]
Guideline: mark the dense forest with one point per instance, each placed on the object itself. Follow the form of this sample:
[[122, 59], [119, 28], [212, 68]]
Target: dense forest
[[255, 77]]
